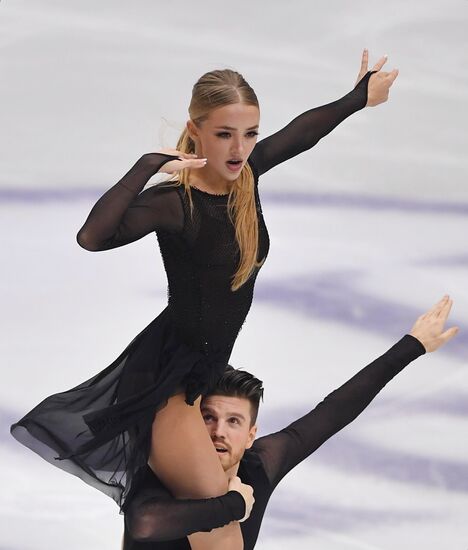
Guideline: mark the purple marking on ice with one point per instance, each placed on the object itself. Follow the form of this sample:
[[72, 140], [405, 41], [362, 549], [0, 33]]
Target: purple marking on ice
[[351, 456], [453, 404], [333, 296], [450, 404], [344, 453], [445, 261], [297, 514], [368, 202], [47, 195], [308, 199]]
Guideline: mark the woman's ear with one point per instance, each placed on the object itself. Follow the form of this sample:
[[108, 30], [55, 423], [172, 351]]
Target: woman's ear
[[192, 130]]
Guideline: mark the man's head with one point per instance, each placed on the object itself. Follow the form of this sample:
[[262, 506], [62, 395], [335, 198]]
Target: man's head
[[230, 414]]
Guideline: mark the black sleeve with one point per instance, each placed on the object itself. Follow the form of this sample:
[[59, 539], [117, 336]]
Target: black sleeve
[[283, 450], [124, 214], [307, 129], [155, 515]]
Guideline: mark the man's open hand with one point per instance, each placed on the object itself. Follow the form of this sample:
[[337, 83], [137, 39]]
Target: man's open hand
[[429, 326]]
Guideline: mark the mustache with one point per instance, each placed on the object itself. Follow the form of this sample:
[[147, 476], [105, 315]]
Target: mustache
[[220, 443]]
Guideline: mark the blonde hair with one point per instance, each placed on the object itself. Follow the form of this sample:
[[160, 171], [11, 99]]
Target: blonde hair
[[212, 90]]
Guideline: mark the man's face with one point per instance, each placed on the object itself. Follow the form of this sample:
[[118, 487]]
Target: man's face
[[228, 420]]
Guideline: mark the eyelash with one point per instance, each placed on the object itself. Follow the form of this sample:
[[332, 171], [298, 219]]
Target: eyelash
[[221, 134], [233, 418]]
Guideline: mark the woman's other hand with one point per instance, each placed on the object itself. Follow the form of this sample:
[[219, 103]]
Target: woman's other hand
[[235, 484], [379, 82], [186, 160]]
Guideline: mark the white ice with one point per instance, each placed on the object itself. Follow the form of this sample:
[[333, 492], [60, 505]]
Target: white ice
[[368, 230]]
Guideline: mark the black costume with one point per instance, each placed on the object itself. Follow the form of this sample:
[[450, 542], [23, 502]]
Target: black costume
[[100, 430], [160, 522]]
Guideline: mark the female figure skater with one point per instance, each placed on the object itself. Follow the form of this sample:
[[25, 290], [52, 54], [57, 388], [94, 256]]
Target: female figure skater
[[144, 408]]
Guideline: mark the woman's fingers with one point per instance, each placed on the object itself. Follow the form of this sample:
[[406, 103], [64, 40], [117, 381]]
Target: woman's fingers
[[392, 75], [364, 62], [181, 163], [380, 63], [178, 153], [188, 155], [199, 163], [389, 77], [380, 83], [192, 163], [182, 155]]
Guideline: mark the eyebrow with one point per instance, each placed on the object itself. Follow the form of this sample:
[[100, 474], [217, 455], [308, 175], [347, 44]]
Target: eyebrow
[[238, 415], [231, 128]]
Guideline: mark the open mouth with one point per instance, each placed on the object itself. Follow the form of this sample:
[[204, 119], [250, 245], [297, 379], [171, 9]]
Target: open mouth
[[220, 450], [234, 165]]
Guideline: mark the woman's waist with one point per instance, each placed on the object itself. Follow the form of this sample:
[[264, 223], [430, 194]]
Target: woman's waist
[[206, 333]]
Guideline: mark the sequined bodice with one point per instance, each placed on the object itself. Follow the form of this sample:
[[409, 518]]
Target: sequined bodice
[[200, 262]]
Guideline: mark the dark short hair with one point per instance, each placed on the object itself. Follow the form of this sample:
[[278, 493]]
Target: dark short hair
[[240, 383]]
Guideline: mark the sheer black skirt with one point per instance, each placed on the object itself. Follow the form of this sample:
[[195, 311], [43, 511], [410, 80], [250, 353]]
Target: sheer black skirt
[[100, 430]]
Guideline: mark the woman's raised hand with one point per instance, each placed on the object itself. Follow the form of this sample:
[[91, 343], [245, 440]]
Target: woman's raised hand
[[379, 82], [429, 326], [186, 160]]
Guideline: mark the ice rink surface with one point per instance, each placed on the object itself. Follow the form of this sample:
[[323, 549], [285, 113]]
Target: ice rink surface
[[368, 229]]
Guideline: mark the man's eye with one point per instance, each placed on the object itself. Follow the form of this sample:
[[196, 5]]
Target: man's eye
[[236, 420], [207, 416]]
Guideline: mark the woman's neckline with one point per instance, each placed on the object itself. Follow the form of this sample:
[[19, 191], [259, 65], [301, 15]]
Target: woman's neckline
[[208, 193]]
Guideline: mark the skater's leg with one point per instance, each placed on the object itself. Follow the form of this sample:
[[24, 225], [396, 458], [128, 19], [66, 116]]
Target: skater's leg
[[185, 460]]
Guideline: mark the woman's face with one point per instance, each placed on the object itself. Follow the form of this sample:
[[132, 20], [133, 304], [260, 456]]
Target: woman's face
[[229, 133]]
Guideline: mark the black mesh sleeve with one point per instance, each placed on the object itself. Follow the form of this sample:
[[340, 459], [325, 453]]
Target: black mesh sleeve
[[307, 129], [155, 515], [283, 450], [124, 214]]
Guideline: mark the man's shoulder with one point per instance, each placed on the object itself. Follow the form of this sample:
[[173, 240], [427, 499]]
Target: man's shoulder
[[251, 463]]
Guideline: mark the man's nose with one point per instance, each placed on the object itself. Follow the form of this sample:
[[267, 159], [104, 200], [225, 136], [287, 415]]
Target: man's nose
[[219, 430]]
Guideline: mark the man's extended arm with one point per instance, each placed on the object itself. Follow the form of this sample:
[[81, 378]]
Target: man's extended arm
[[283, 450]]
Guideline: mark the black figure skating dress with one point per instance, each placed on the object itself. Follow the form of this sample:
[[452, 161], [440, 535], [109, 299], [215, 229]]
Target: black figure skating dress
[[101, 429]]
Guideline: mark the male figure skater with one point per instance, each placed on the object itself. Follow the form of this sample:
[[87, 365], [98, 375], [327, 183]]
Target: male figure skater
[[155, 520]]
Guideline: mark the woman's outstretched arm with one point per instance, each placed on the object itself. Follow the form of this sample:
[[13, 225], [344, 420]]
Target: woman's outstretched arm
[[124, 214], [307, 129], [155, 515]]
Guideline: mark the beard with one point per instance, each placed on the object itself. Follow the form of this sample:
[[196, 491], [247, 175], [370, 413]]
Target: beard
[[232, 459]]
